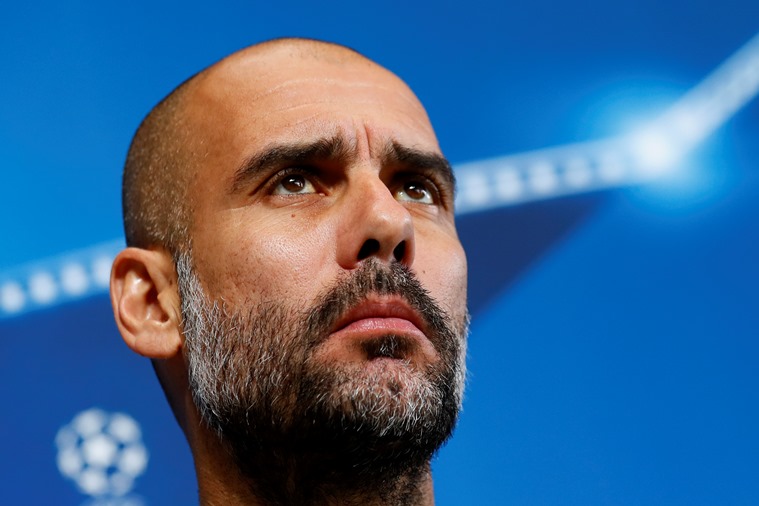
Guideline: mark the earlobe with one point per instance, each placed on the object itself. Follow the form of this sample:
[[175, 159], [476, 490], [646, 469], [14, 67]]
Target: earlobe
[[146, 303]]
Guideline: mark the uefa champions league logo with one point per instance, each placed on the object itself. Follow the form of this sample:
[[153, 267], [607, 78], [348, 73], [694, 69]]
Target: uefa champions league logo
[[103, 454]]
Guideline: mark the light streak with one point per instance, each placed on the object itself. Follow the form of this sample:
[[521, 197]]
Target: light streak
[[483, 185], [622, 161]]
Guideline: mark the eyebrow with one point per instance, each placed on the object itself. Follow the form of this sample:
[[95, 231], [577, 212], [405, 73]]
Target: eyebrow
[[335, 149], [280, 155], [398, 154]]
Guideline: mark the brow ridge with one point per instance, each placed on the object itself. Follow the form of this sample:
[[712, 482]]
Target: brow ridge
[[334, 149], [399, 154], [279, 155]]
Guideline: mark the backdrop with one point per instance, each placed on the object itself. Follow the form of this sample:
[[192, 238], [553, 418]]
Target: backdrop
[[609, 196]]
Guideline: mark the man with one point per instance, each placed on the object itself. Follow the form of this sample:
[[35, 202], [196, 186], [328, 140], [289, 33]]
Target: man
[[294, 272]]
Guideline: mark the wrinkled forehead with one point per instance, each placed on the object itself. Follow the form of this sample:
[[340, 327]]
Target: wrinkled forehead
[[257, 99], [257, 90]]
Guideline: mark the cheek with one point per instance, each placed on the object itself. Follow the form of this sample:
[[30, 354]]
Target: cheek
[[442, 268], [290, 264], [271, 261]]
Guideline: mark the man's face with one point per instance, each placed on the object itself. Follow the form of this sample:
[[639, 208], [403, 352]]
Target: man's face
[[318, 177]]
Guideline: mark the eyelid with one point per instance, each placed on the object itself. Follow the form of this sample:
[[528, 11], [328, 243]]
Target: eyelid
[[279, 176], [441, 193]]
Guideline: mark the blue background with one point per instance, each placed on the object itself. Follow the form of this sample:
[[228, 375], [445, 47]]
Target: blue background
[[613, 354]]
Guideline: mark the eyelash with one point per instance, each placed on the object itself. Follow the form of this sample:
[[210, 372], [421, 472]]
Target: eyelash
[[440, 192], [279, 177]]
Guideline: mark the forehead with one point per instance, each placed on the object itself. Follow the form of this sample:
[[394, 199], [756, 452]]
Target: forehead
[[257, 98]]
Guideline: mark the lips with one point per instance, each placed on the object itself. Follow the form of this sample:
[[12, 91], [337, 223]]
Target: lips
[[379, 316]]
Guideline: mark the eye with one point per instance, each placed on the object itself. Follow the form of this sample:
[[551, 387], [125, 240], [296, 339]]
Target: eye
[[294, 184], [418, 191]]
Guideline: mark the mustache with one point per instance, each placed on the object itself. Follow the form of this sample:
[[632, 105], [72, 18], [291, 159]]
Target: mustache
[[376, 278]]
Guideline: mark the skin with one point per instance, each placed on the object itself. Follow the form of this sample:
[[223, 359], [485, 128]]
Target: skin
[[264, 237]]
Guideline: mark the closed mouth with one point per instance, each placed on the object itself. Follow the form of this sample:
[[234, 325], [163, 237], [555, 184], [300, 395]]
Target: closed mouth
[[387, 314]]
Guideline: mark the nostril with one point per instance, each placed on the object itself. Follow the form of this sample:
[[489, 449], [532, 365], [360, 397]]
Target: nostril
[[369, 248], [400, 251]]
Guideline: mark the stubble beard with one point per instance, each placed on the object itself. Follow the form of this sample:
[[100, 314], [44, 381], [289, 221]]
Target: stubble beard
[[302, 430]]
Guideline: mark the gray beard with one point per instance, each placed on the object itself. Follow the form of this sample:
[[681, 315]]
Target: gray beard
[[304, 431]]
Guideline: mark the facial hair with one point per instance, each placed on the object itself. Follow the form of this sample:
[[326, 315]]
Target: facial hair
[[300, 428]]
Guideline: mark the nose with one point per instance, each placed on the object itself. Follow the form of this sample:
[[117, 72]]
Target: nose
[[374, 225]]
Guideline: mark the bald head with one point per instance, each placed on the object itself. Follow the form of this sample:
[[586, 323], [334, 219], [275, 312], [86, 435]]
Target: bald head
[[168, 146], [297, 276]]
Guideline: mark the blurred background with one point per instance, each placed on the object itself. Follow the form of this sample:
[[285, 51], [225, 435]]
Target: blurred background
[[609, 199]]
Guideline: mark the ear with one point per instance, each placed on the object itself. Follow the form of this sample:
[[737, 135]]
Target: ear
[[145, 302]]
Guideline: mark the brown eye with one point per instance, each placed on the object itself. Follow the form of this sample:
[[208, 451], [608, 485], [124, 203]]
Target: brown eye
[[294, 184], [415, 191]]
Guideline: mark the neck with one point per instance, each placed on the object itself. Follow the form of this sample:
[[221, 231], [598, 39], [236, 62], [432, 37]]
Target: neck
[[306, 476]]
